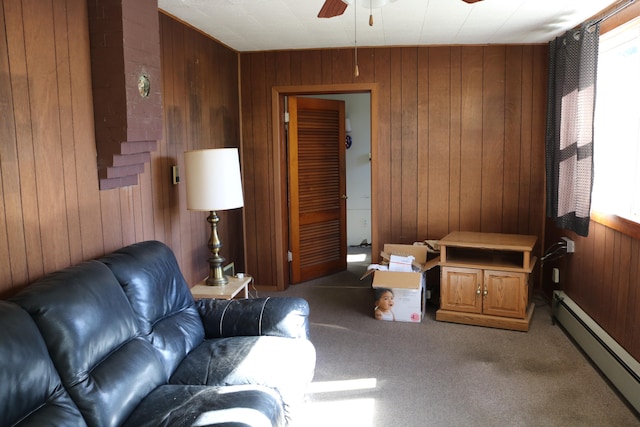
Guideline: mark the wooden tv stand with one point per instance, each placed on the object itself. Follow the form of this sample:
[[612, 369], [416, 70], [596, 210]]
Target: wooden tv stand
[[485, 279]]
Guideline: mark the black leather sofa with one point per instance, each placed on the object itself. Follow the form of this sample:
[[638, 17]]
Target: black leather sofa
[[120, 341]]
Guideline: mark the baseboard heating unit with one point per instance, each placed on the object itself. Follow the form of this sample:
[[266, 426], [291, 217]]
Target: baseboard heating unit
[[615, 362]]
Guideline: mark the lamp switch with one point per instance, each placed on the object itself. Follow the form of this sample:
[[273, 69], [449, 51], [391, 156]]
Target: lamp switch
[[175, 174]]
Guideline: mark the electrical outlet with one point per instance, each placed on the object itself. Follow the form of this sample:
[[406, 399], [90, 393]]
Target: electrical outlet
[[571, 245]]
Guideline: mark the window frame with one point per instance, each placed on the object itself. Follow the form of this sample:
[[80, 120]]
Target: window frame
[[618, 223]]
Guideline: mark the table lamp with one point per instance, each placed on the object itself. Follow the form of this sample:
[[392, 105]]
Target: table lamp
[[212, 177]]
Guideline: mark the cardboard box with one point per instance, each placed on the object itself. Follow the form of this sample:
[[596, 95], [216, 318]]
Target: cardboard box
[[407, 289]]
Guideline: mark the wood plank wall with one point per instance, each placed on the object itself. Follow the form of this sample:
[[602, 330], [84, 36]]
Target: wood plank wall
[[52, 214], [603, 278], [460, 140]]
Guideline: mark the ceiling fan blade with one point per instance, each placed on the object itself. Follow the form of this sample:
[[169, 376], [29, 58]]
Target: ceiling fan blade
[[332, 8], [471, 1]]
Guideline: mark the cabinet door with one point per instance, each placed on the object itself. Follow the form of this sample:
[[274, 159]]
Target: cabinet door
[[505, 294], [461, 289]]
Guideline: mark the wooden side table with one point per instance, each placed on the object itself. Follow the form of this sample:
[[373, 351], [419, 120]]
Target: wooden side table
[[228, 291], [485, 279]]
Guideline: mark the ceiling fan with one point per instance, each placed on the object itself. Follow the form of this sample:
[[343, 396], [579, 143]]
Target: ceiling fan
[[332, 8]]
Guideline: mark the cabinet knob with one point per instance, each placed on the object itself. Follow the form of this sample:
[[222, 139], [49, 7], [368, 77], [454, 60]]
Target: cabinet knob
[[478, 291], [485, 292]]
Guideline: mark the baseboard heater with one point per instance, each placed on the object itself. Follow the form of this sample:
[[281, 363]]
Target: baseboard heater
[[614, 361]]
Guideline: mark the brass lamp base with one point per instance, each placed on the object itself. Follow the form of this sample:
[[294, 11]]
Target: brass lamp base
[[216, 275]]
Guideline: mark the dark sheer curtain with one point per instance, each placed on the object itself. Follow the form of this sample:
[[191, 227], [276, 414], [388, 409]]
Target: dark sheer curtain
[[573, 60]]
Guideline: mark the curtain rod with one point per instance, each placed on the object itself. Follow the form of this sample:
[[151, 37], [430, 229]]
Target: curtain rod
[[612, 13]]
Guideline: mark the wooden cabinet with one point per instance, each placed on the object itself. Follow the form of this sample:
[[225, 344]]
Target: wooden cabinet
[[485, 279]]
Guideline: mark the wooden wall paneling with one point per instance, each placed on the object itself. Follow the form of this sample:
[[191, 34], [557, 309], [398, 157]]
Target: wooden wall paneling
[[341, 70], [229, 112], [128, 214], [281, 199], [192, 225], [455, 108], [395, 153], [12, 238], [622, 293], [591, 272], [24, 138], [366, 65], [612, 285], [45, 105], [263, 197], [89, 210], [632, 331], [111, 220], [327, 67], [439, 142], [137, 215], [65, 119], [512, 138], [222, 122], [8, 169], [279, 63], [471, 138], [311, 67], [537, 190], [160, 170], [409, 146], [170, 139], [605, 300], [190, 104], [473, 90], [424, 137], [278, 151], [524, 202], [493, 140], [295, 62], [601, 276], [381, 165], [249, 159]]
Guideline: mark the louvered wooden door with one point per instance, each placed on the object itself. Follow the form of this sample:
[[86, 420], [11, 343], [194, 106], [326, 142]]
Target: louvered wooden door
[[317, 188]]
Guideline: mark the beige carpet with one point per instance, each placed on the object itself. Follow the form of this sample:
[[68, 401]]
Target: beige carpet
[[376, 373]]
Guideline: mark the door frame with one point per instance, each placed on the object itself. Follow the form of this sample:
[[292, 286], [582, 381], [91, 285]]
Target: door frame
[[279, 164]]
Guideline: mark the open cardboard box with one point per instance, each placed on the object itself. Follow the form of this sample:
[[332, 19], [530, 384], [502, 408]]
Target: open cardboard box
[[408, 289]]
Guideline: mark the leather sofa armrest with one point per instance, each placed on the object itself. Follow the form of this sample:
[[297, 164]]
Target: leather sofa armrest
[[277, 316]]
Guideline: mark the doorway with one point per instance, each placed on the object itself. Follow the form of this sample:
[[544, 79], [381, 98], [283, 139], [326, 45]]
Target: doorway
[[358, 165], [361, 109]]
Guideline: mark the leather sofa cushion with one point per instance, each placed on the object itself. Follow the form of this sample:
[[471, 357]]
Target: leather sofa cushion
[[31, 392], [151, 278], [94, 341], [253, 360], [188, 405]]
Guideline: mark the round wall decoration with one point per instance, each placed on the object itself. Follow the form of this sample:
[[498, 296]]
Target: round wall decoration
[[144, 85]]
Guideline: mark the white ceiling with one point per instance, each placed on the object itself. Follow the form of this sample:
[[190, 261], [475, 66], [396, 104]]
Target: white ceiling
[[257, 25]]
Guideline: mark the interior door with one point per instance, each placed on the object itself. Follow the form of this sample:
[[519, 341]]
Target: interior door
[[317, 187]]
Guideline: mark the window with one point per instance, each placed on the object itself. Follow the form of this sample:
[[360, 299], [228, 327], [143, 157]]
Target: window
[[616, 187]]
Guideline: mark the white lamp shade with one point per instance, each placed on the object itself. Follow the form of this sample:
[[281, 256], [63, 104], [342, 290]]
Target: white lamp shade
[[212, 177]]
